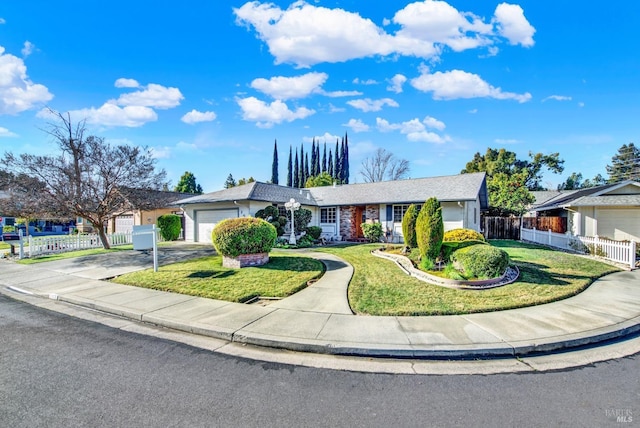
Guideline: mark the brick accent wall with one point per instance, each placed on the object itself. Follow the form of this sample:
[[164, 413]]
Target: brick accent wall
[[245, 260], [347, 226], [372, 212]]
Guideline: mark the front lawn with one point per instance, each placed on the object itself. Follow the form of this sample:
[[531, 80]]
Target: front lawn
[[379, 287], [72, 254], [284, 275]]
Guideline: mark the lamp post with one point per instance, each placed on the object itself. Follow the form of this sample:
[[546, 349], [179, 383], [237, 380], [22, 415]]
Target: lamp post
[[292, 206]]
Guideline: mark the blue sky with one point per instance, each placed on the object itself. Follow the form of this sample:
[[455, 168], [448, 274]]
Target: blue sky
[[210, 85]]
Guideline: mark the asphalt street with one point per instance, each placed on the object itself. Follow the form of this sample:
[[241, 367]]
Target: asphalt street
[[59, 371]]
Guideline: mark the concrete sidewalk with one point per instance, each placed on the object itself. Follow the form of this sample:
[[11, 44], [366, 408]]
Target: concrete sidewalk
[[318, 319]]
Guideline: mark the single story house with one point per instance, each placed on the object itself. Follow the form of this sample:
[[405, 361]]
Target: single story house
[[341, 209], [609, 211]]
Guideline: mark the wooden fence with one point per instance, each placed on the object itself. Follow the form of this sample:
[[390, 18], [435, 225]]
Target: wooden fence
[[502, 228], [554, 224]]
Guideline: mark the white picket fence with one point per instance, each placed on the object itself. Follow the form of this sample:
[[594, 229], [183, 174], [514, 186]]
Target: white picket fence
[[617, 251], [41, 245]]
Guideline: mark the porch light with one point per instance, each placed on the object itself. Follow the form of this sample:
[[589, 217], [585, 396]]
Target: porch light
[[292, 206]]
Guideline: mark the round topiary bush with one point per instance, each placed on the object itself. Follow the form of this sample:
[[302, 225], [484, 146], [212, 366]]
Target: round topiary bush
[[481, 261], [314, 231], [170, 226], [459, 235], [248, 235]]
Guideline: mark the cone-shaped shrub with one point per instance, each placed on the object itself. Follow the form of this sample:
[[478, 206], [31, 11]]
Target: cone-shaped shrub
[[170, 225], [247, 235], [430, 229], [409, 226]]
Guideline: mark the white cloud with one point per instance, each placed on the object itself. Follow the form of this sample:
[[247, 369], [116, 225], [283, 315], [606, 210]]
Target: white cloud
[[334, 109], [367, 104], [110, 114], [27, 49], [357, 125], [266, 115], [506, 141], [337, 94], [154, 95], [17, 92], [305, 34], [473, 111], [581, 104], [4, 132], [396, 83], [2, 21], [513, 25], [557, 98], [286, 88], [161, 152], [325, 138], [126, 83], [195, 116], [187, 147], [455, 84], [415, 129], [357, 81]]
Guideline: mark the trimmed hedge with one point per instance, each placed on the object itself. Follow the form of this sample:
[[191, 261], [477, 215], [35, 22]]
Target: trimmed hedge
[[481, 261], [372, 231], [430, 229], [314, 232], [449, 247], [272, 215], [462, 235], [169, 225], [409, 226], [246, 235]]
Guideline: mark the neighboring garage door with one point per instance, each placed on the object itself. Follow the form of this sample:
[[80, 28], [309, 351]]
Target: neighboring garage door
[[207, 220], [124, 223], [619, 224]]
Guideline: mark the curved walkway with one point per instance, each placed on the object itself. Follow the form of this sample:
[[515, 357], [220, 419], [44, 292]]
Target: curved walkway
[[319, 319]]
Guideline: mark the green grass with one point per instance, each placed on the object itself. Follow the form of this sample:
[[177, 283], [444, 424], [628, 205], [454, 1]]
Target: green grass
[[72, 254], [285, 274], [379, 287]]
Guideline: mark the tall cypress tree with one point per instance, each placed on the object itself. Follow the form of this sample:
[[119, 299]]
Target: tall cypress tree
[[301, 168], [306, 169], [317, 166], [289, 170], [341, 163], [336, 163], [274, 163], [330, 166], [314, 172], [345, 161], [296, 177], [324, 158]]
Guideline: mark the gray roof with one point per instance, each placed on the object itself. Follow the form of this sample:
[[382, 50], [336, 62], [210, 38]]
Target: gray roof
[[463, 187], [592, 196], [545, 196]]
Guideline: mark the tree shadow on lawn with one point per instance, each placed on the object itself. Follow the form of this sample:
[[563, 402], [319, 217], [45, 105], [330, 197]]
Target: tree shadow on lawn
[[203, 274], [534, 274], [295, 264]]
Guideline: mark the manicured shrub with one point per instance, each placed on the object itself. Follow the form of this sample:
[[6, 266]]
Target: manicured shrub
[[302, 218], [314, 232], [449, 247], [462, 235], [409, 226], [246, 235], [372, 231], [481, 261], [170, 226], [430, 229], [272, 215]]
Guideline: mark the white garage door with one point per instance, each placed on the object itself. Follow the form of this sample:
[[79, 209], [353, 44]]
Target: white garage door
[[619, 224], [207, 220], [124, 224]]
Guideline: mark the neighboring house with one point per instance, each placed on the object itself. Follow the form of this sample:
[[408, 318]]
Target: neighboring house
[[609, 211], [340, 210]]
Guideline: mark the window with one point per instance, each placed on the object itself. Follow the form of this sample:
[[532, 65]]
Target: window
[[328, 215], [282, 211], [398, 212]]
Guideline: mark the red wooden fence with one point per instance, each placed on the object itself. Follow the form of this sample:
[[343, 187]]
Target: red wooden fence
[[554, 224]]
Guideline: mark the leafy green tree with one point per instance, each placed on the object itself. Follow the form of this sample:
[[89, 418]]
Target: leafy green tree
[[187, 184], [322, 179], [625, 165], [430, 229], [230, 182], [274, 164], [510, 179], [574, 181], [598, 180], [170, 226], [246, 181]]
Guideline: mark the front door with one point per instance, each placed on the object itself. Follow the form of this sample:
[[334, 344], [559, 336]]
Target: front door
[[357, 221]]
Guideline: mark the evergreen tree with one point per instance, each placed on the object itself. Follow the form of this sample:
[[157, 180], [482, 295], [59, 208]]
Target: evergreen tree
[[302, 179], [296, 176], [345, 161], [289, 171], [230, 182], [313, 171], [340, 172], [324, 158], [317, 167], [306, 167], [330, 166], [274, 164], [625, 165], [336, 162], [187, 184]]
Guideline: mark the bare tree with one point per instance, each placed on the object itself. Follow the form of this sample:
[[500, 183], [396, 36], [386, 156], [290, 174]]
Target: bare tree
[[89, 178], [383, 165]]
